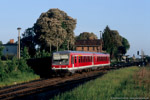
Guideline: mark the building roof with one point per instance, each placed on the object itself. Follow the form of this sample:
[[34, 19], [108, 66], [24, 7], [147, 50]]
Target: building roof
[[88, 42], [10, 44]]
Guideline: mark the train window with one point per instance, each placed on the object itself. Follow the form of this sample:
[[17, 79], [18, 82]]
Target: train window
[[84, 59], [79, 59], [89, 58], [75, 59]]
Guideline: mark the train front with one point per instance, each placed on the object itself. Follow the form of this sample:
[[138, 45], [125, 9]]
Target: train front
[[60, 62]]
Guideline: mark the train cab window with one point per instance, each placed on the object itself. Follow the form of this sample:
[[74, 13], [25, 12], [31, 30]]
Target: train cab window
[[60, 59]]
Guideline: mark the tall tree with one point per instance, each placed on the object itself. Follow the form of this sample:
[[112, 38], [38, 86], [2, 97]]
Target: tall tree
[[28, 41], [53, 28], [86, 36], [125, 44], [114, 43]]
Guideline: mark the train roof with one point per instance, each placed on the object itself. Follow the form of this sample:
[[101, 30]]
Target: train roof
[[79, 52]]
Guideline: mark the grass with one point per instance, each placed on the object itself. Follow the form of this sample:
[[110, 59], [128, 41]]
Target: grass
[[125, 83], [15, 71], [19, 77]]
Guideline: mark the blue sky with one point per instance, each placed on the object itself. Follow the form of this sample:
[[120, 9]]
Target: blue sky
[[130, 17]]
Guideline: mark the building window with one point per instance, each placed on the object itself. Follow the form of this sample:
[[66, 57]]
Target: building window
[[6, 49], [82, 48], [88, 48], [93, 48], [97, 49]]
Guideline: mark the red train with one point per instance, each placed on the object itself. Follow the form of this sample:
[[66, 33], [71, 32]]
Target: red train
[[71, 61]]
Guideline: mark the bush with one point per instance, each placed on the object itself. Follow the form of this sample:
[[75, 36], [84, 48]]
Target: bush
[[3, 73], [23, 67], [13, 68], [42, 54], [12, 65]]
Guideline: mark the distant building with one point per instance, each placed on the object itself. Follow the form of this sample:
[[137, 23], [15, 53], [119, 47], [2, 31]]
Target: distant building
[[10, 49], [89, 45]]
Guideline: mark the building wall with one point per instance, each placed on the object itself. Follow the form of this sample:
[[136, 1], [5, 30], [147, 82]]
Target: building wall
[[89, 48], [10, 50]]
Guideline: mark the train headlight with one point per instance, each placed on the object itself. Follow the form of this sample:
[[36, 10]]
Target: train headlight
[[66, 66]]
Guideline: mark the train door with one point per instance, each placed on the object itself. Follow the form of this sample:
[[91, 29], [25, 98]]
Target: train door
[[75, 61], [72, 61]]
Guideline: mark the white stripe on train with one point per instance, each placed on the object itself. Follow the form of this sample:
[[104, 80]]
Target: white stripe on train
[[83, 67]]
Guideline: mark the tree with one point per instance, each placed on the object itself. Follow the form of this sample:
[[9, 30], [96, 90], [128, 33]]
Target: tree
[[86, 36], [125, 44], [114, 43], [53, 28], [28, 41]]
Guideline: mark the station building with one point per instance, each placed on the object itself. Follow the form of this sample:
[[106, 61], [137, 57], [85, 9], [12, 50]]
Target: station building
[[89, 45]]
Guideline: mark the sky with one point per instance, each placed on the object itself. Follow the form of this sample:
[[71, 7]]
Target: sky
[[131, 18]]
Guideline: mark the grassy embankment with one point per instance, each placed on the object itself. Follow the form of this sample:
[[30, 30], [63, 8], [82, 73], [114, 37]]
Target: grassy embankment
[[15, 71], [127, 83]]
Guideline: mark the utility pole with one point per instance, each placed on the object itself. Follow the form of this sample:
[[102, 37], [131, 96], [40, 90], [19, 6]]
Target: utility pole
[[101, 40], [18, 54]]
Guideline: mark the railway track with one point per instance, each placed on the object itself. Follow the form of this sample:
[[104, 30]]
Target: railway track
[[52, 85]]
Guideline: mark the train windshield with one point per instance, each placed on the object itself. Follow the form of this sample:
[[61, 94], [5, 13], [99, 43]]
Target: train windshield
[[60, 59]]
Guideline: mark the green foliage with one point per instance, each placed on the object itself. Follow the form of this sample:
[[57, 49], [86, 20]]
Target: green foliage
[[3, 73], [42, 54], [103, 88], [25, 53], [12, 65], [23, 67], [125, 44], [53, 28], [114, 43], [28, 41], [86, 36], [12, 69]]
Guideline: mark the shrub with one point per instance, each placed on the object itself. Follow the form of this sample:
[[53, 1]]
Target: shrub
[[3, 73], [23, 67]]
